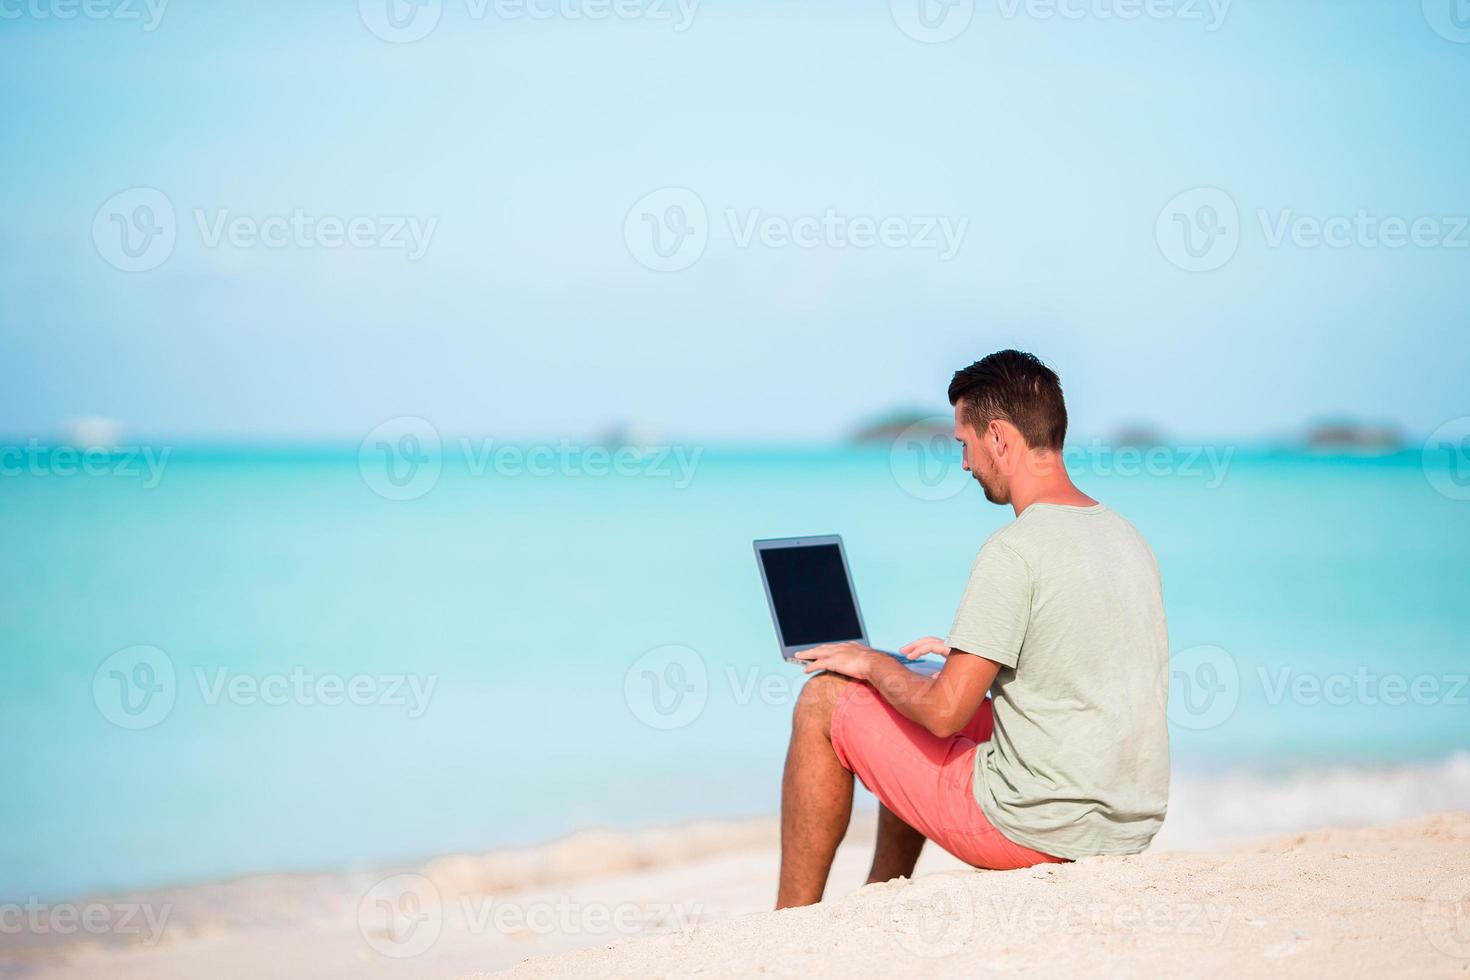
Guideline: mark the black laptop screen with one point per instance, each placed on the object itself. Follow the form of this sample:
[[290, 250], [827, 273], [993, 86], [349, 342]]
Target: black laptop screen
[[810, 592]]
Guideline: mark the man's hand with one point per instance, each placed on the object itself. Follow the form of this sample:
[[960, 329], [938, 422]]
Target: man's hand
[[849, 659], [929, 644]]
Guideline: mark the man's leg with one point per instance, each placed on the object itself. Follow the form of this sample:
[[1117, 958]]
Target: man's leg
[[816, 795], [897, 850]]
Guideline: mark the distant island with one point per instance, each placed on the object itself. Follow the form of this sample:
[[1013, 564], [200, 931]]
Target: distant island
[[1344, 435], [915, 422]]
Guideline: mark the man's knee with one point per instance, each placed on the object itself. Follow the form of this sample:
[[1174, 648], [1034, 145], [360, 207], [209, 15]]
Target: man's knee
[[818, 699]]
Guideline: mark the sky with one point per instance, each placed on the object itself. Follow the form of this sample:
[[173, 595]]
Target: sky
[[669, 216]]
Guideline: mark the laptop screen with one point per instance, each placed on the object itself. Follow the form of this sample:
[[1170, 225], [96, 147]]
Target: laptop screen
[[810, 592]]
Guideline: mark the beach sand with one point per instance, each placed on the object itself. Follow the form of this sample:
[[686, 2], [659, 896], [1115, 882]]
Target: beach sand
[[1376, 902], [692, 901]]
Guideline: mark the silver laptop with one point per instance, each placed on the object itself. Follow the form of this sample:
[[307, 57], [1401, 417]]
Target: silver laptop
[[812, 600]]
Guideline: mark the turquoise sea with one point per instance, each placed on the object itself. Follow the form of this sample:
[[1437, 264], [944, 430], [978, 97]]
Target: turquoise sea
[[259, 661]]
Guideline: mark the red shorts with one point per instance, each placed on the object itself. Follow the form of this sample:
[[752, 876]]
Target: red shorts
[[924, 779]]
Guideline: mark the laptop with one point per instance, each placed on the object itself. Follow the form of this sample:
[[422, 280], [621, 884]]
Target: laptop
[[809, 589]]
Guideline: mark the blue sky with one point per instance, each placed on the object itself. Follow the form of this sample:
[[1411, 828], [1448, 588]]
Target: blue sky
[[525, 142]]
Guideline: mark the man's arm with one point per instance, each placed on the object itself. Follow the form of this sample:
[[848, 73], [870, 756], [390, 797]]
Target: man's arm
[[943, 703]]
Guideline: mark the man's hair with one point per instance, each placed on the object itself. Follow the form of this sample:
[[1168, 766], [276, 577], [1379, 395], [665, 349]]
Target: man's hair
[[1016, 387]]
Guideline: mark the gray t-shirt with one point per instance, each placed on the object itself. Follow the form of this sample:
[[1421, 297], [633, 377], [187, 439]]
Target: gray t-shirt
[[1067, 600]]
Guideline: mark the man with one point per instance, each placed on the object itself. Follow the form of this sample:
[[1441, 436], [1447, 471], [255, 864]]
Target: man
[[1062, 622]]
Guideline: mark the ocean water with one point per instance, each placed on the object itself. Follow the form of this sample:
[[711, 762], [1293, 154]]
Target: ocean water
[[259, 661]]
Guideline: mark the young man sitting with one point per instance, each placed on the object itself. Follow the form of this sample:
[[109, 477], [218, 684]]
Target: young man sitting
[[1062, 623]]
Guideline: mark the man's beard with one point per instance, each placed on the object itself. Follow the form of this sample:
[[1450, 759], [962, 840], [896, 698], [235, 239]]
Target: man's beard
[[994, 494]]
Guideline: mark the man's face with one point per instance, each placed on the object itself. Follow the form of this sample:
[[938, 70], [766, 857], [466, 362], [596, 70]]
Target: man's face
[[980, 461]]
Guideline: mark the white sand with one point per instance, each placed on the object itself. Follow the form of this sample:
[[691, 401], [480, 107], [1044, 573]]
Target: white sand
[[692, 900], [1365, 903]]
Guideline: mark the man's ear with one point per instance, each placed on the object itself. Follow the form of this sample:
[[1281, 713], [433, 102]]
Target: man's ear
[[996, 435]]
